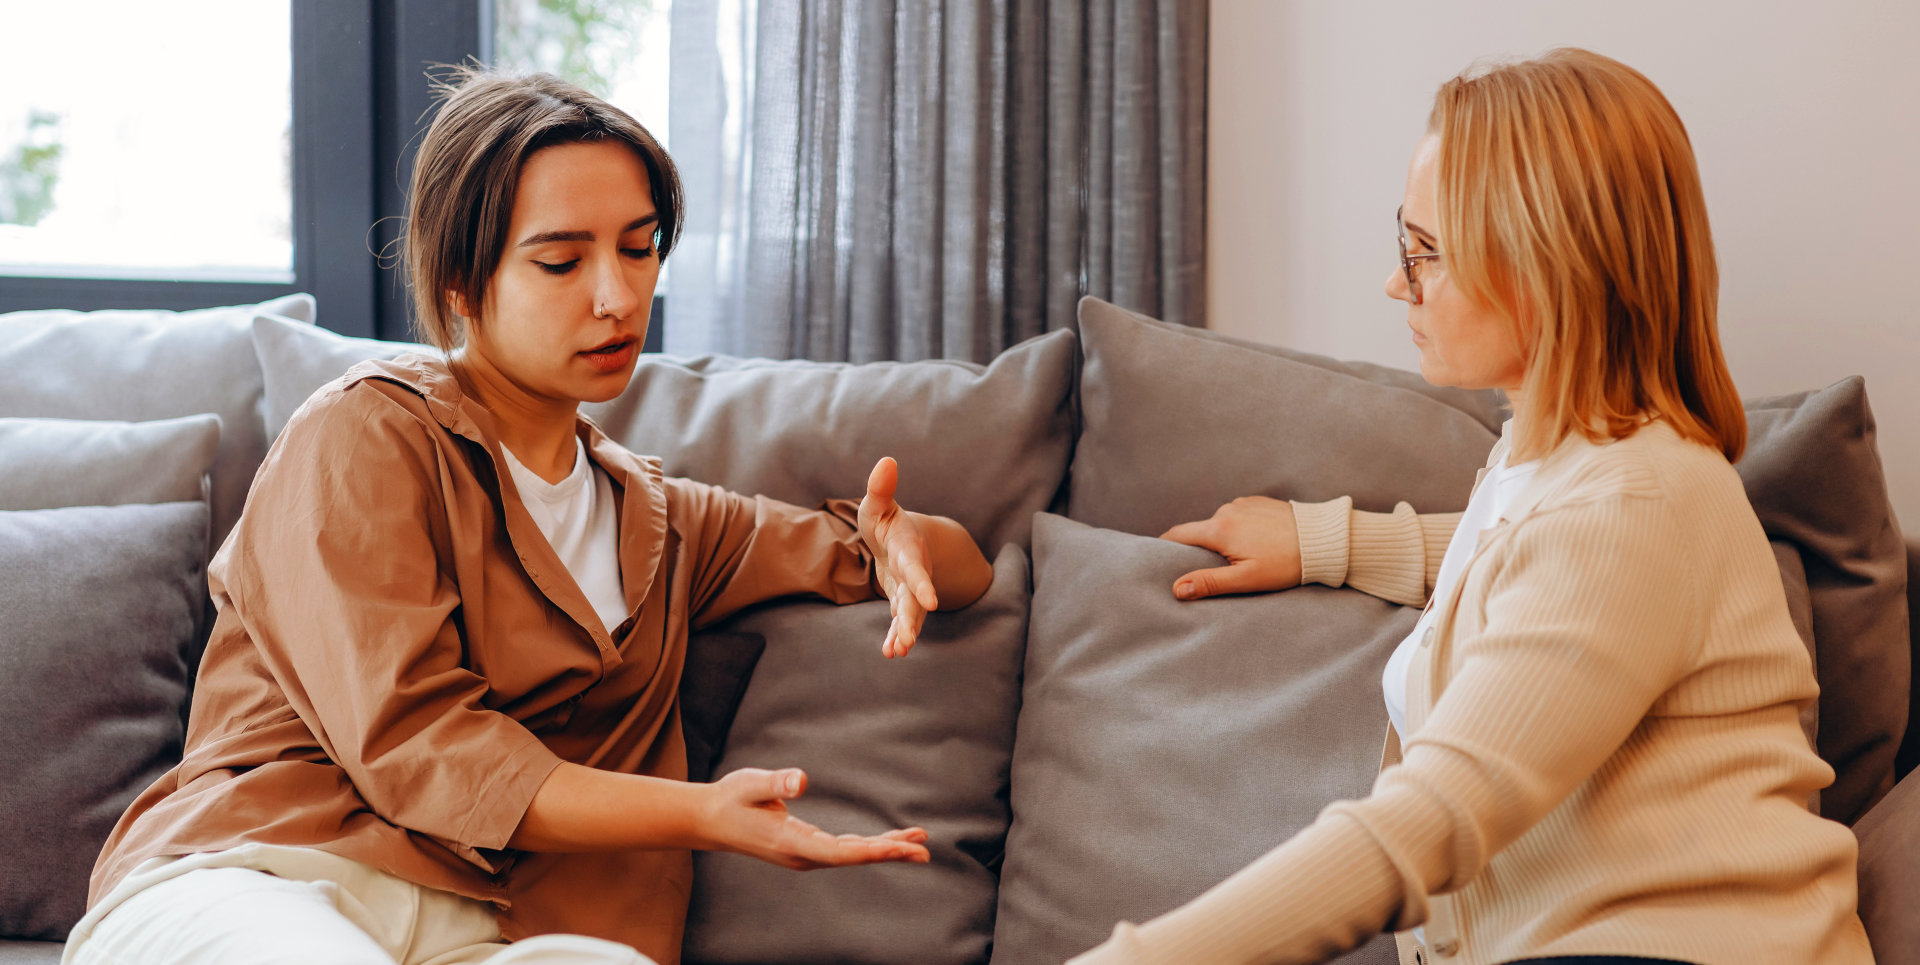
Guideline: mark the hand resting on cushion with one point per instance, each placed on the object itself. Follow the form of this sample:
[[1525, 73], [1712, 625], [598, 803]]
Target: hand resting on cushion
[[1259, 538]]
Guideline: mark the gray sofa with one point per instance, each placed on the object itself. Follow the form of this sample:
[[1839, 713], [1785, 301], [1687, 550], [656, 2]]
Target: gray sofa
[[1081, 747]]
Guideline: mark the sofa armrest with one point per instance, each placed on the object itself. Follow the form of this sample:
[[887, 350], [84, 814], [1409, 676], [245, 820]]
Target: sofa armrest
[[1889, 837]]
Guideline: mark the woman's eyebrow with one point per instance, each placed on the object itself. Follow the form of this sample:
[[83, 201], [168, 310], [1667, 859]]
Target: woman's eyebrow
[[1416, 229], [548, 237]]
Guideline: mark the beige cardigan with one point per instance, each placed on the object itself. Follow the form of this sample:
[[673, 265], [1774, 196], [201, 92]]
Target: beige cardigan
[[1604, 755]]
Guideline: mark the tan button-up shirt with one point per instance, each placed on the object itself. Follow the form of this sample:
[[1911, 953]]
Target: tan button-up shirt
[[400, 659]]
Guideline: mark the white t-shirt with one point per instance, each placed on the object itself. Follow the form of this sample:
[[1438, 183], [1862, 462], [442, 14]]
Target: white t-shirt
[[1489, 502], [579, 519]]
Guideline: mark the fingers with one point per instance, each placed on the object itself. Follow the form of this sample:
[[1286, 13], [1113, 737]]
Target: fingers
[[1198, 533], [910, 567], [808, 848], [1220, 580], [908, 617], [855, 849], [884, 479]]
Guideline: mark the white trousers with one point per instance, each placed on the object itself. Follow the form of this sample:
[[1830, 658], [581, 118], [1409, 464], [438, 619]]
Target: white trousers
[[262, 904]]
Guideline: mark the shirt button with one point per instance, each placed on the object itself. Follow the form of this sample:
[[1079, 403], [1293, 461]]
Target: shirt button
[[1447, 947], [1427, 637]]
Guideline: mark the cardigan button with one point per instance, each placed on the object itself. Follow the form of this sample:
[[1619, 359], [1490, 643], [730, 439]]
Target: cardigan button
[[1427, 637], [1446, 947]]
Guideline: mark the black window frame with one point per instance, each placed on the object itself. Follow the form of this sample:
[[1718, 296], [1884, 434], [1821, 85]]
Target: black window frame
[[360, 97]]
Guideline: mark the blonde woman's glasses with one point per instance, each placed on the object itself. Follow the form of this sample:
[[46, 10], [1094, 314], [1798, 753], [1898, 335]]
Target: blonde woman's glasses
[[1406, 260]]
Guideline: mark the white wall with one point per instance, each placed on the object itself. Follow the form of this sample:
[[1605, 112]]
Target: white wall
[[1805, 118]]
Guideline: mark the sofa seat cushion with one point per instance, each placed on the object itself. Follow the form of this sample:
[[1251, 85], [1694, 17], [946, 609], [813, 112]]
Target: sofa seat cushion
[[30, 953], [104, 605], [1890, 875], [922, 740], [1165, 745]]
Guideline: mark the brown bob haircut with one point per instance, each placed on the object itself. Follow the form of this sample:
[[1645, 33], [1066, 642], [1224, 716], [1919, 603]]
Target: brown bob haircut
[[468, 170], [1569, 200]]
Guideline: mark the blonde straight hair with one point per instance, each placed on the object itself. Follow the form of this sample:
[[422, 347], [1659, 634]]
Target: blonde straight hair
[[1569, 200]]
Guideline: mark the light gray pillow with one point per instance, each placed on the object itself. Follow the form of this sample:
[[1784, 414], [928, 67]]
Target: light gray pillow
[[103, 605], [1176, 422], [1487, 406], [1812, 472], [144, 365], [1165, 745], [987, 446], [51, 463], [297, 358], [924, 740]]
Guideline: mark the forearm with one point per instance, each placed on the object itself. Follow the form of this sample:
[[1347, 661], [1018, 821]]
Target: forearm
[[1395, 556], [586, 809], [959, 570]]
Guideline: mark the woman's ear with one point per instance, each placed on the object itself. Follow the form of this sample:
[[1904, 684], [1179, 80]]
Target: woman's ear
[[458, 302]]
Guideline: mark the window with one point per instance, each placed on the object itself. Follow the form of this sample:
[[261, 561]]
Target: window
[[253, 148], [221, 155], [180, 167], [614, 48]]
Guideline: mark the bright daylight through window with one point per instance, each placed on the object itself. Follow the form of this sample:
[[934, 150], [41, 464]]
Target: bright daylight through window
[[161, 149]]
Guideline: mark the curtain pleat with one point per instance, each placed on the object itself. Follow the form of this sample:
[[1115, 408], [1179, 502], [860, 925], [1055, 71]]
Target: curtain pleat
[[888, 179]]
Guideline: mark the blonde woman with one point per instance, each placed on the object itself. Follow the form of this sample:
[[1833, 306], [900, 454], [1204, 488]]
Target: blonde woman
[[437, 720], [1594, 754]]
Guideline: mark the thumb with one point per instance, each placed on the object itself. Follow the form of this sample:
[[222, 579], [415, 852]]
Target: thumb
[[884, 479], [1220, 580], [781, 785]]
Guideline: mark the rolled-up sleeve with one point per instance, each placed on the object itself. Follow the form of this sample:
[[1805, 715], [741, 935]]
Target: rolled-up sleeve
[[340, 581], [747, 550]]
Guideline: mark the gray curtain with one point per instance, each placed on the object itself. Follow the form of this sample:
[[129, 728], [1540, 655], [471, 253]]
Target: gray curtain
[[891, 179]]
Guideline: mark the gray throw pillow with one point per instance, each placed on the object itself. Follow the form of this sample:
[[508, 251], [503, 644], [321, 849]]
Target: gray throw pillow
[[1164, 746], [987, 446], [1890, 875], [297, 358], [714, 678], [51, 463], [924, 740], [1176, 422], [1813, 474], [103, 605], [145, 365]]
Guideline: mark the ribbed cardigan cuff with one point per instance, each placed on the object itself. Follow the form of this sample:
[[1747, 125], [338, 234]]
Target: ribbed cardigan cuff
[[1323, 540], [1394, 556]]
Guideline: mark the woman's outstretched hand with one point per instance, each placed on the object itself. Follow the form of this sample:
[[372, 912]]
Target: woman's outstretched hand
[[747, 814], [1260, 540], [899, 541]]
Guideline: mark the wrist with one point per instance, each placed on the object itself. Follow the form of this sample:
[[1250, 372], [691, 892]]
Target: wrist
[[702, 811]]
